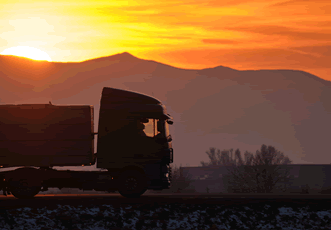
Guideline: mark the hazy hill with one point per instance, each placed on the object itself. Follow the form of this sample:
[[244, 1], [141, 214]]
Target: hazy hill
[[217, 107]]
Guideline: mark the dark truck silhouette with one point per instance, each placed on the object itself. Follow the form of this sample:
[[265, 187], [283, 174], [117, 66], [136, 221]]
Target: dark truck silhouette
[[133, 144]]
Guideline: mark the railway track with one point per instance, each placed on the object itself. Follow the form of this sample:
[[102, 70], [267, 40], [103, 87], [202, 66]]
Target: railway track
[[45, 200]]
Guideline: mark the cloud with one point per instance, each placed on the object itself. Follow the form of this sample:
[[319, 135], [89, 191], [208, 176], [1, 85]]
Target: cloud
[[321, 23], [217, 3], [277, 30], [294, 2], [219, 41], [301, 7], [323, 51]]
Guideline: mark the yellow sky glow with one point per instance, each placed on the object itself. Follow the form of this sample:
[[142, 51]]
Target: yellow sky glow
[[28, 52], [196, 34]]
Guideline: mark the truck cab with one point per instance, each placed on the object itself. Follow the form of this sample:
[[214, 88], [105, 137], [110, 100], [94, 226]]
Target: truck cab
[[134, 133]]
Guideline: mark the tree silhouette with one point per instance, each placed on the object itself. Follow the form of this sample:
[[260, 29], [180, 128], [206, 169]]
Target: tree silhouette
[[179, 183], [258, 173]]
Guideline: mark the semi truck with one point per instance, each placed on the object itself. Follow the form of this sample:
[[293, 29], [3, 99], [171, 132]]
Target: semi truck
[[133, 153]]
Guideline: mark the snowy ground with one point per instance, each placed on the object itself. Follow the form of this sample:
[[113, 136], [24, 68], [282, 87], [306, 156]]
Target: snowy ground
[[168, 216]]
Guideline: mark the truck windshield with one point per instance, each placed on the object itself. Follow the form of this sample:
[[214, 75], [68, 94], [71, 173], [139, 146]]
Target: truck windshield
[[150, 128], [156, 126]]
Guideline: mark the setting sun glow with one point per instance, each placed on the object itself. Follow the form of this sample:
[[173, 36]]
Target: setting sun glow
[[28, 52], [242, 35]]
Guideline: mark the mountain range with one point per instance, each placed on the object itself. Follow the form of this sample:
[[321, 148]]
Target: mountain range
[[216, 107]]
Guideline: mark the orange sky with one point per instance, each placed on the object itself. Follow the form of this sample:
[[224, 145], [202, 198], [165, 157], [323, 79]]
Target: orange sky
[[240, 34]]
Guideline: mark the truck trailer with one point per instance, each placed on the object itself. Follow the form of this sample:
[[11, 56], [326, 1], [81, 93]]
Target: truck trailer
[[134, 147]]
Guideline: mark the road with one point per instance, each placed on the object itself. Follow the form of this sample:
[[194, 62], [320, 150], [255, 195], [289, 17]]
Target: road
[[45, 200]]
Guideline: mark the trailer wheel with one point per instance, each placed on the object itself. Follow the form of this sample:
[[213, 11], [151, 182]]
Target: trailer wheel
[[23, 189], [132, 184]]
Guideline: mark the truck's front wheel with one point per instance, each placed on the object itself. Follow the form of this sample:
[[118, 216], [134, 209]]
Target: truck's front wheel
[[132, 184]]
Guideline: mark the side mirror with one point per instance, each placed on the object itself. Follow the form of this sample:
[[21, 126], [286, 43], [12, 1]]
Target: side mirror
[[170, 122]]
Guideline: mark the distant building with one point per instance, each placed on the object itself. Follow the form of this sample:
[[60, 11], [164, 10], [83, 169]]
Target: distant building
[[316, 177]]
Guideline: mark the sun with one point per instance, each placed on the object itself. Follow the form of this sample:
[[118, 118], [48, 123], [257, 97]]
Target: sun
[[28, 52]]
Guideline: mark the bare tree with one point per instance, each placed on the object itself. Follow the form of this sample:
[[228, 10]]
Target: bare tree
[[219, 158], [267, 165], [212, 156], [260, 173]]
